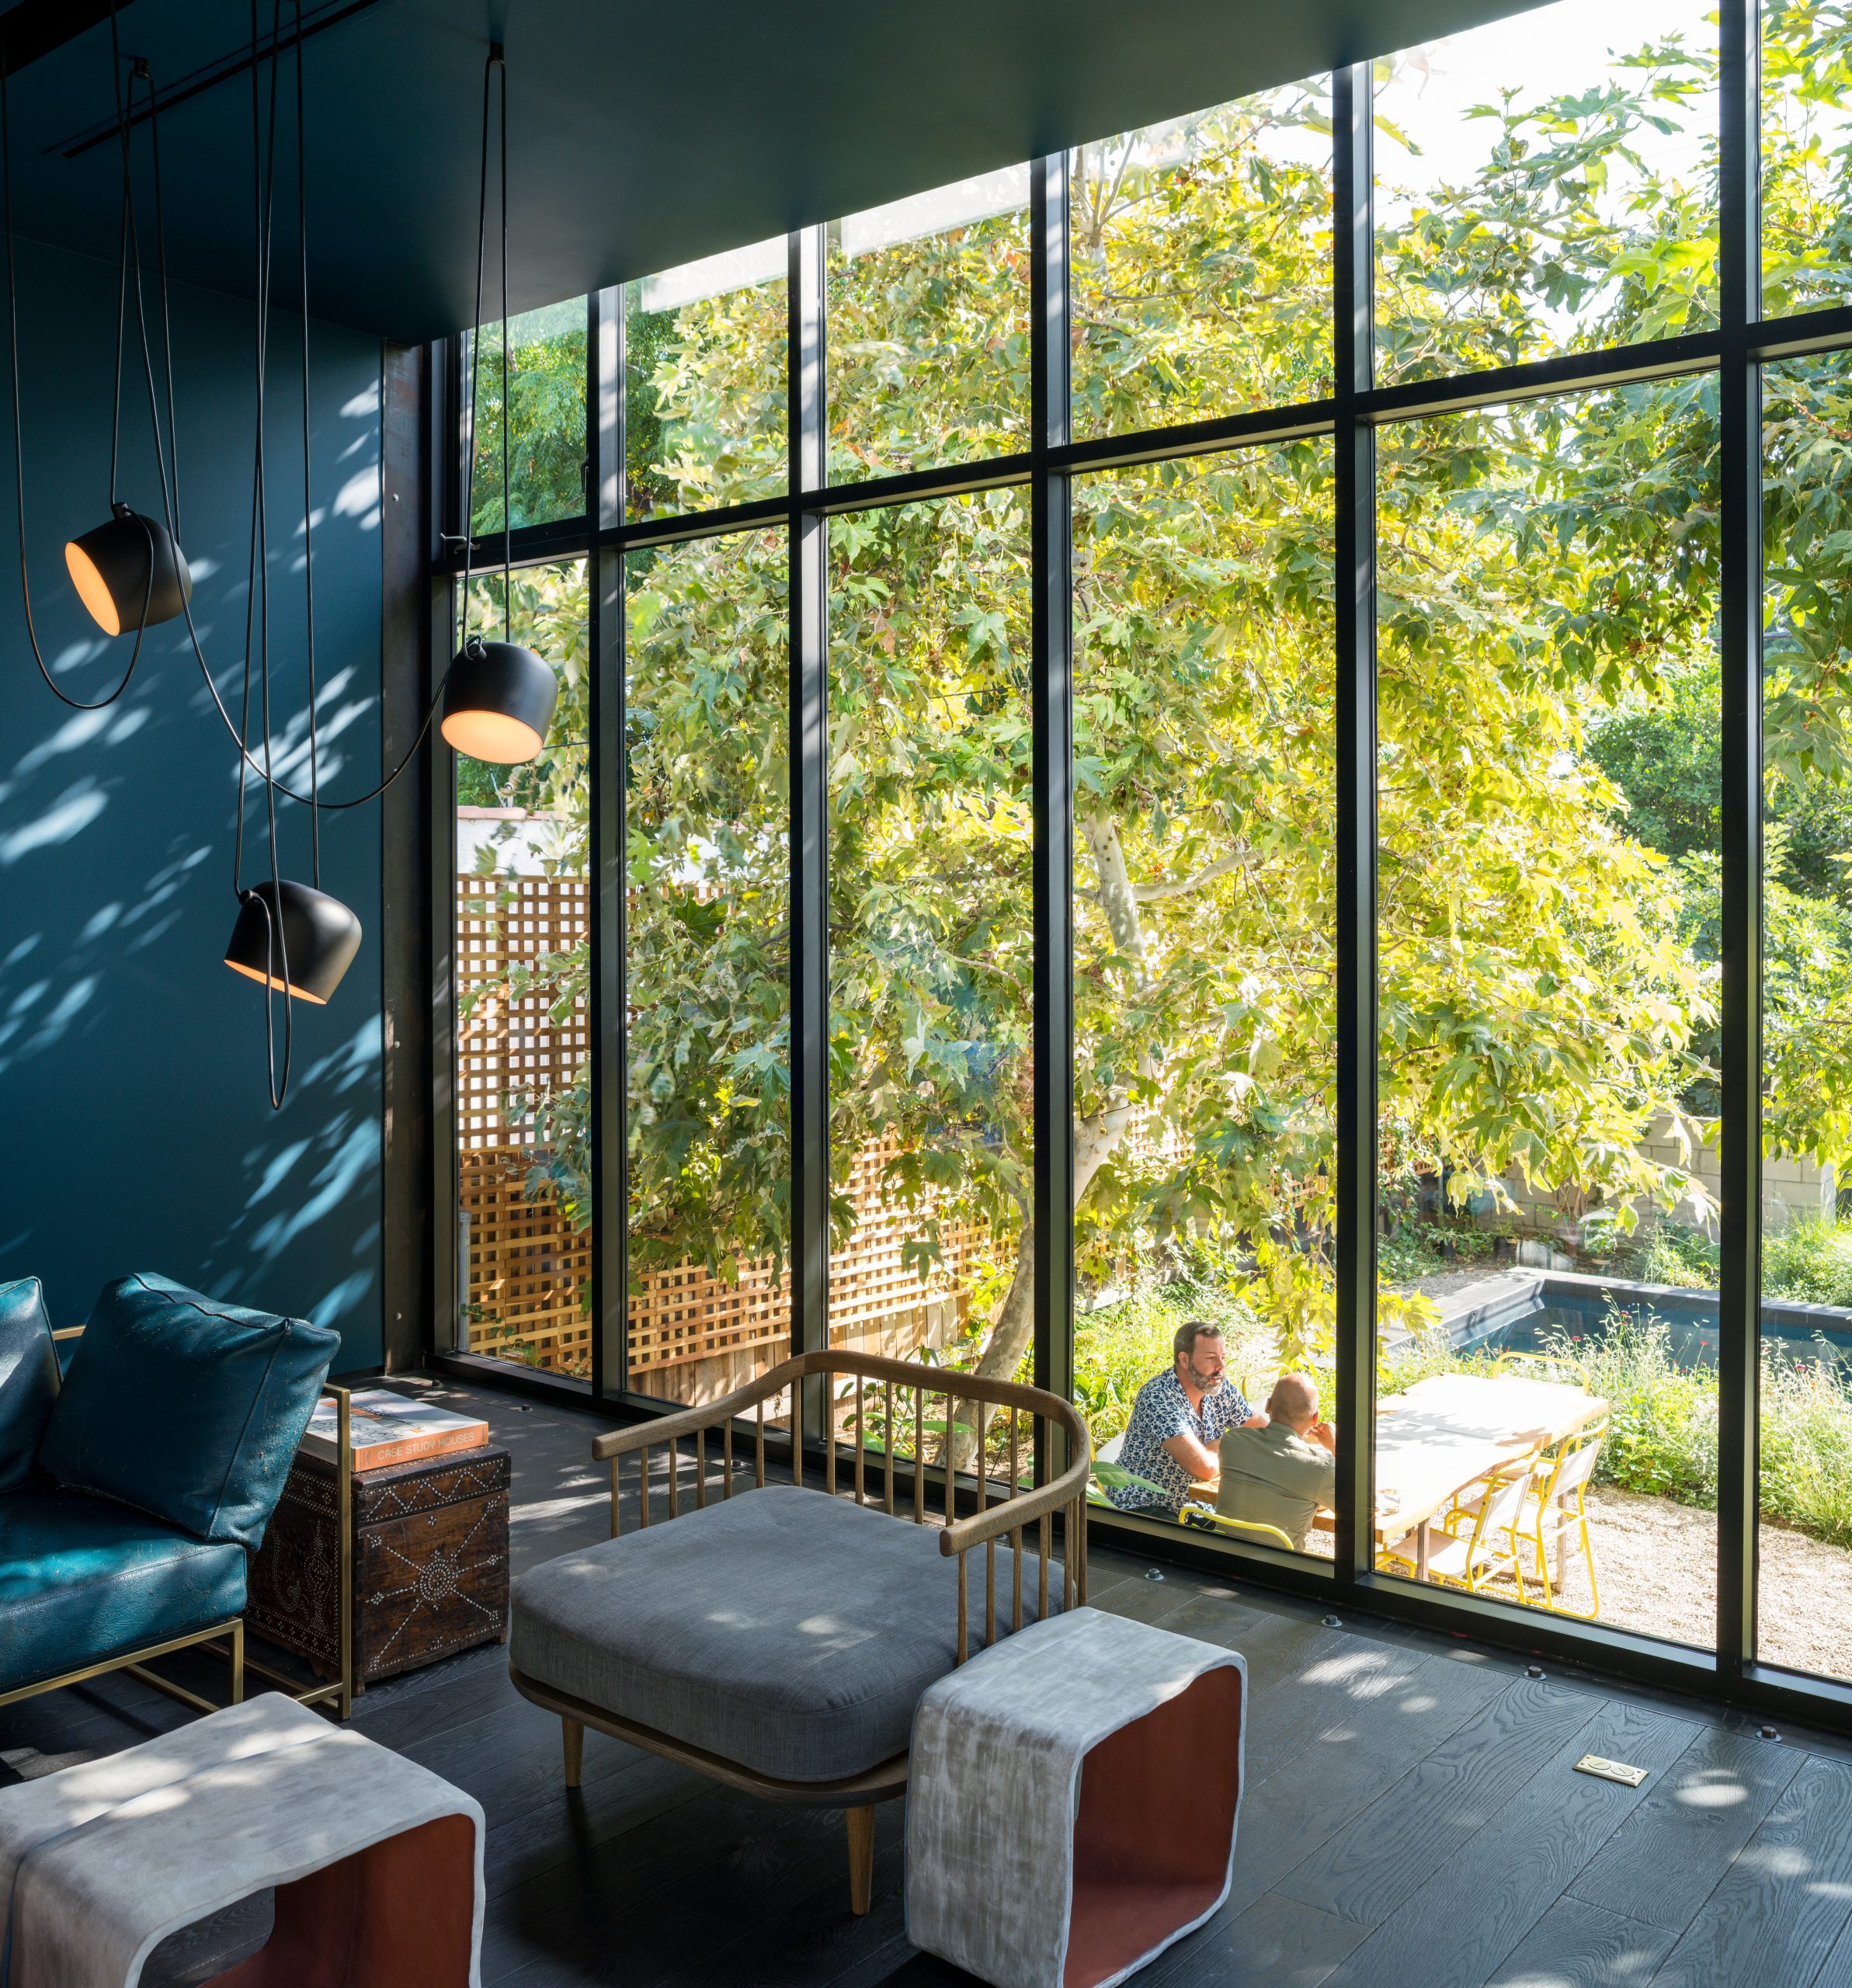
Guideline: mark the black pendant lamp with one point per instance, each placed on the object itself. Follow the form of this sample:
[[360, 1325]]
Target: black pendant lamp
[[498, 697], [295, 940], [129, 573], [497, 701]]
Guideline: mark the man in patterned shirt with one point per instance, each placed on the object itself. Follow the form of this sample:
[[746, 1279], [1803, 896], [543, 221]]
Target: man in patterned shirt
[[1177, 1423]]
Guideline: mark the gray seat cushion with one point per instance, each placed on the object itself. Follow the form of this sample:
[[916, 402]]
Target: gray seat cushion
[[784, 1629]]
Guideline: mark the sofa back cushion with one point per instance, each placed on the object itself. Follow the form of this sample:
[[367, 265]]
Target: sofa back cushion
[[186, 1408], [28, 1378]]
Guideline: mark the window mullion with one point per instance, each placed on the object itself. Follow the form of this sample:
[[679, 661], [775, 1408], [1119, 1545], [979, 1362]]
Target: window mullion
[[1355, 557]]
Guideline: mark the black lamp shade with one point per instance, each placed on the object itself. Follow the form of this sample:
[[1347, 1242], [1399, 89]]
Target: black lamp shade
[[129, 573], [316, 934], [498, 702]]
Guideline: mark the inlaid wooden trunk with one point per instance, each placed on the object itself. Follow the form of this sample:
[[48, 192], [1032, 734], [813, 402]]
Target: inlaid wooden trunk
[[430, 1567]]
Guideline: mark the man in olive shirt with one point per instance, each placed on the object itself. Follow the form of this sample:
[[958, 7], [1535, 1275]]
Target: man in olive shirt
[[1281, 1473]]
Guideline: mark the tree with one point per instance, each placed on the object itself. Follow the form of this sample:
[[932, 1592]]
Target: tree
[[1548, 602]]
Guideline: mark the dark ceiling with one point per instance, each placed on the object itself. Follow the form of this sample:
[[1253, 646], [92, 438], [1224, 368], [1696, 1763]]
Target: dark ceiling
[[641, 135]]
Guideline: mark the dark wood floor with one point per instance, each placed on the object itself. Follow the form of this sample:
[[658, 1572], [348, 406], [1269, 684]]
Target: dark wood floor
[[1411, 1818]]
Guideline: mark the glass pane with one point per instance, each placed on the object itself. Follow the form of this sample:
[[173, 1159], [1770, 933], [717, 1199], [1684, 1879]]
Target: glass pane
[[523, 1243], [1806, 1619], [1549, 885], [1201, 264], [705, 404], [1806, 156], [1205, 985], [546, 422], [708, 937], [1547, 184], [932, 1161], [928, 329]]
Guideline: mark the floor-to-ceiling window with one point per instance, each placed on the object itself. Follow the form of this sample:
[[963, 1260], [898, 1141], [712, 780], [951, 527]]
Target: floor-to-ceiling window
[[520, 901], [1371, 550]]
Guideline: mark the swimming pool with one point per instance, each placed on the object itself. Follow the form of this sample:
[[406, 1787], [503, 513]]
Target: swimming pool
[[1815, 1334]]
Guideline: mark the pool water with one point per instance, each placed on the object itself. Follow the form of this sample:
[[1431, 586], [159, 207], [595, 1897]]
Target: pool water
[[1692, 1334]]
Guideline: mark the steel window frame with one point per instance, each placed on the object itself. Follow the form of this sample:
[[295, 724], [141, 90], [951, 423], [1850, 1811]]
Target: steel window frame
[[1046, 469]]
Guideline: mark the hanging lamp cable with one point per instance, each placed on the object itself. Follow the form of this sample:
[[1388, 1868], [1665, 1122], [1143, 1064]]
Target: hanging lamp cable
[[13, 313]]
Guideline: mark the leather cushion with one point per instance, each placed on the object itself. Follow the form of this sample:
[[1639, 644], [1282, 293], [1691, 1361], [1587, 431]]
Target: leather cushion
[[784, 1629], [185, 1408], [82, 1579], [28, 1378]]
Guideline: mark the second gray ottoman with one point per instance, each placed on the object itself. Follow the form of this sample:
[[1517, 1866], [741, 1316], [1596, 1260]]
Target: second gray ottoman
[[1049, 1841]]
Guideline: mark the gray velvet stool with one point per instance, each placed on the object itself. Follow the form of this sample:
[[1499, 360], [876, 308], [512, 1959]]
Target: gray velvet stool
[[1072, 1806]]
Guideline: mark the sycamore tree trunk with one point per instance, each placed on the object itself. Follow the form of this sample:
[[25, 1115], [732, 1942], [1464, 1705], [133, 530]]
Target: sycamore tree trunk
[[1096, 1138]]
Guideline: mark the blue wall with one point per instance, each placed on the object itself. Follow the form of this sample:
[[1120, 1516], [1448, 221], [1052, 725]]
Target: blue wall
[[136, 1126]]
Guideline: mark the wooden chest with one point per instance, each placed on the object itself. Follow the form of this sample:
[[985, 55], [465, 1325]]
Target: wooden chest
[[430, 1565]]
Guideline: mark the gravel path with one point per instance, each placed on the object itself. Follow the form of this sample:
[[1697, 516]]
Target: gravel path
[[1656, 1562]]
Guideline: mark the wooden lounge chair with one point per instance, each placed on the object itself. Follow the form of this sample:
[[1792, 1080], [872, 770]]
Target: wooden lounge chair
[[780, 1639]]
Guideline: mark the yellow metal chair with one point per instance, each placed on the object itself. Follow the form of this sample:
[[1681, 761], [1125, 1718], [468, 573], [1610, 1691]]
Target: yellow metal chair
[[1561, 1367], [1474, 1560], [1206, 1520], [1560, 1512], [1542, 1367]]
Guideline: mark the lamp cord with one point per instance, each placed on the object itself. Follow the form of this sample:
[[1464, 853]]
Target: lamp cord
[[308, 510], [13, 313], [276, 951], [469, 474], [501, 62]]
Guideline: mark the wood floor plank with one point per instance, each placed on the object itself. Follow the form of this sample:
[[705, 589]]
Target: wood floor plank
[[1276, 1942], [522, 1848], [1387, 1851], [1578, 1945], [1458, 1926], [1143, 1601], [1340, 1681], [1836, 1970], [1282, 1653], [1776, 1913], [1666, 1859], [1353, 1761]]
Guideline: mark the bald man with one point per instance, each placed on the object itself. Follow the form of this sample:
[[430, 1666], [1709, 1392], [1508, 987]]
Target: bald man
[[1280, 1474]]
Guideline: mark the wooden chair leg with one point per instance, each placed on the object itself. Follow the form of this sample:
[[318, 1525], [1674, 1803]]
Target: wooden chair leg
[[575, 1734], [861, 1859]]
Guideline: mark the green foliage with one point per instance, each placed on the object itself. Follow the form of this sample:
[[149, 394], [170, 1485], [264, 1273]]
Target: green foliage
[[1806, 1448], [546, 397], [1120, 1346], [1810, 1261], [1676, 1255], [1549, 580]]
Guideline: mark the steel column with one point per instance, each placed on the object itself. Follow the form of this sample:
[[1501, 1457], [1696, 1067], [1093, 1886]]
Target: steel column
[[1051, 717], [606, 768], [1740, 520], [1354, 574], [809, 665]]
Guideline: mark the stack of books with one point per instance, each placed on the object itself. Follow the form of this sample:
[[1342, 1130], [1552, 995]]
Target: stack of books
[[387, 1428]]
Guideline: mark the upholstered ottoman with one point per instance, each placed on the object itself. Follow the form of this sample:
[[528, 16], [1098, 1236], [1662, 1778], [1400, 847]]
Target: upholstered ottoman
[[376, 1863], [1072, 1806]]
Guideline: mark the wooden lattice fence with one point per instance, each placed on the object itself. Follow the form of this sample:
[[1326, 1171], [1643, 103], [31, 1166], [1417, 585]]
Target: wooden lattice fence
[[525, 1268]]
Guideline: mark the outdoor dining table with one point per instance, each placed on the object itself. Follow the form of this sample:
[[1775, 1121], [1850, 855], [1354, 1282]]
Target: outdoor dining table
[[1436, 1438], [1444, 1433]]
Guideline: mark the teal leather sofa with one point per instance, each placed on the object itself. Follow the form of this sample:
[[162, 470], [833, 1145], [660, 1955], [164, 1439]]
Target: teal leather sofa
[[135, 1483]]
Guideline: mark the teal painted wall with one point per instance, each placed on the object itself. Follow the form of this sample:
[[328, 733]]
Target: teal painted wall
[[133, 1110]]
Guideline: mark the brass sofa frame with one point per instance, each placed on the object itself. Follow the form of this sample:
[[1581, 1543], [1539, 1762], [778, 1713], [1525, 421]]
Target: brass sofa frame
[[994, 1519], [136, 1661]]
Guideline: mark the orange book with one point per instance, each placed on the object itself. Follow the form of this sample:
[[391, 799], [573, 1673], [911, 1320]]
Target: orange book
[[386, 1428]]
